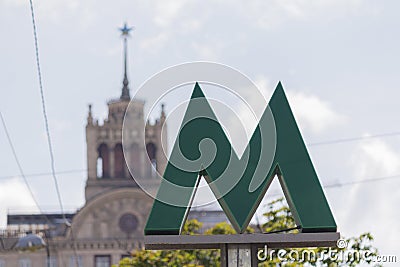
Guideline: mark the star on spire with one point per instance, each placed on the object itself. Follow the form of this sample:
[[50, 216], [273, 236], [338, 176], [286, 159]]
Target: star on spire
[[125, 30]]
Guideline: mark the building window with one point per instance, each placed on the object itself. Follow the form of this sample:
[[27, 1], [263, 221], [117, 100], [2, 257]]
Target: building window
[[102, 260], [99, 167], [103, 162], [52, 262], [25, 263], [128, 223], [75, 261]]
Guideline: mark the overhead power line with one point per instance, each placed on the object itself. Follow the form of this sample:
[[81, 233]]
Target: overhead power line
[[39, 174], [369, 180], [21, 171], [354, 182], [353, 139], [46, 122]]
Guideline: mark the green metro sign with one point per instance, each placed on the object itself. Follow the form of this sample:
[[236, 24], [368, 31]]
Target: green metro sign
[[237, 182]]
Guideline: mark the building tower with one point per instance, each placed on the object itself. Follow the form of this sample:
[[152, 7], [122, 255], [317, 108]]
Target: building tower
[[106, 164], [111, 223]]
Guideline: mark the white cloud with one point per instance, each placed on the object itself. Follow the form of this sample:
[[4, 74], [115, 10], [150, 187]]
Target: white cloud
[[191, 25], [168, 11], [375, 158], [311, 112], [268, 14], [14, 194], [369, 206], [211, 51], [16, 3], [61, 126], [154, 43]]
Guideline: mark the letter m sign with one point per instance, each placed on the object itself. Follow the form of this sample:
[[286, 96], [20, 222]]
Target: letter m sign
[[239, 184]]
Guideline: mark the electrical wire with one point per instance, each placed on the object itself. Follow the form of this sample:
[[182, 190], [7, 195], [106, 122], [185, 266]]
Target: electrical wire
[[353, 139], [21, 171], [45, 117], [22, 174], [39, 174], [335, 185], [369, 180]]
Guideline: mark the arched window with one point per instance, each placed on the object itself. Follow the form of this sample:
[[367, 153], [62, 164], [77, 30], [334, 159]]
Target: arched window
[[151, 153], [119, 161], [103, 162]]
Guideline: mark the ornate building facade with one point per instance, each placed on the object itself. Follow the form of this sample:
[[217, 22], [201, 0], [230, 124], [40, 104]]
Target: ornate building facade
[[110, 224]]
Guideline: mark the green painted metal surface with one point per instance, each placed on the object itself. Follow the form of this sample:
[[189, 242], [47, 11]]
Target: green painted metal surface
[[236, 182]]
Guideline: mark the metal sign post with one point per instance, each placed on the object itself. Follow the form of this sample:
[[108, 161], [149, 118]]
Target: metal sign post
[[238, 255]]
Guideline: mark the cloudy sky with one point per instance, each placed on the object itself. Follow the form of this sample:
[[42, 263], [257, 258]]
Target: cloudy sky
[[338, 61]]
